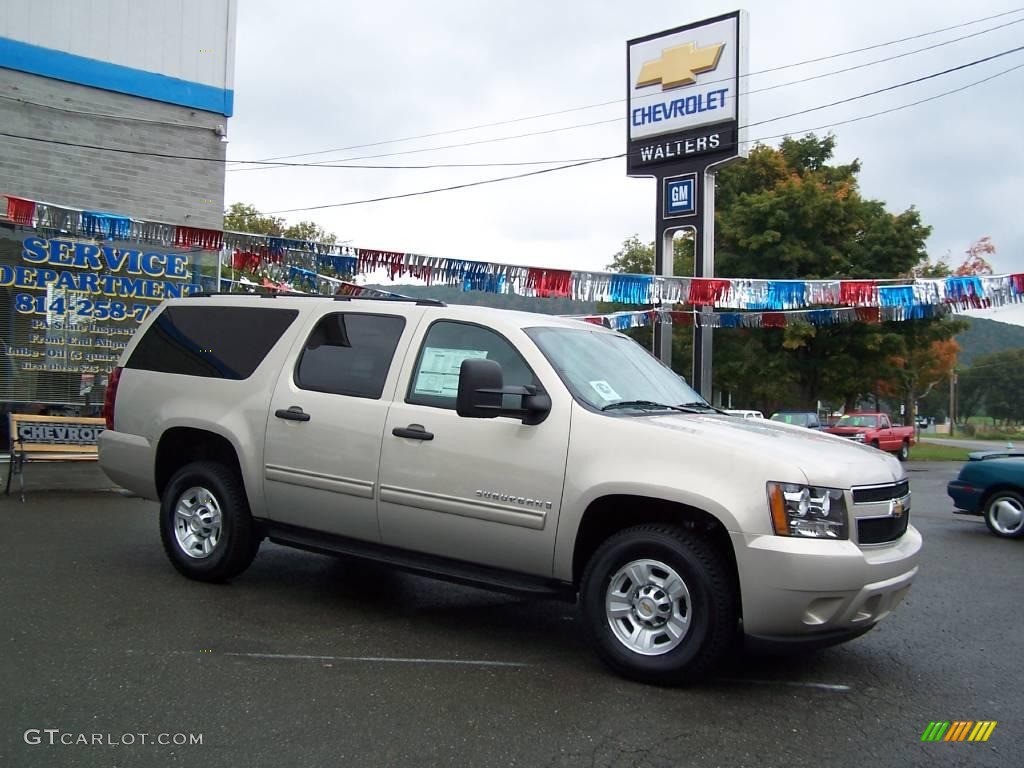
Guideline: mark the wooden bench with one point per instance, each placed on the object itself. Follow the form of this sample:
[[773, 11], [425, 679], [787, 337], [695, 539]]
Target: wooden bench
[[50, 438]]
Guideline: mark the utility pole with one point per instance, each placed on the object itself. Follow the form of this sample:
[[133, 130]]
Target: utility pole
[[952, 402]]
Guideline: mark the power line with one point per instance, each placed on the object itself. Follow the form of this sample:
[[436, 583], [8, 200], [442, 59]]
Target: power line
[[621, 101], [122, 150], [266, 166], [886, 59], [106, 115], [891, 109], [442, 189], [615, 157], [890, 87], [577, 163]]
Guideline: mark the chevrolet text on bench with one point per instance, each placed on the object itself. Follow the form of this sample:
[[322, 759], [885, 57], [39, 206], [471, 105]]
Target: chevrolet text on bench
[[513, 451]]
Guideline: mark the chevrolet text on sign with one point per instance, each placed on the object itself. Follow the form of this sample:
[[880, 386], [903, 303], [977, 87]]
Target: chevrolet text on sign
[[683, 80]]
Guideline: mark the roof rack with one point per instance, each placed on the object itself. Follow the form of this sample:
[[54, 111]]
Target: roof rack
[[396, 297]]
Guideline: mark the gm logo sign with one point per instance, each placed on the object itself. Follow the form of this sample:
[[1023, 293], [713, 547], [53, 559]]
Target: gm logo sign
[[680, 195]]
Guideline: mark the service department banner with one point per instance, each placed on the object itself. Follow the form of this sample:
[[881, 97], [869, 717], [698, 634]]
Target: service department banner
[[69, 305]]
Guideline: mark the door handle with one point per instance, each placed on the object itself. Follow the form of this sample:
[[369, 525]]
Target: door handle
[[295, 413], [413, 432]]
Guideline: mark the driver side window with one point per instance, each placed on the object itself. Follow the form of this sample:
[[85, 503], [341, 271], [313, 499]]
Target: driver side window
[[435, 380]]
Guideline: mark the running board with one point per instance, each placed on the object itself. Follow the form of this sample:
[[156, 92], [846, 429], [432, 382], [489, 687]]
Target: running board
[[433, 566]]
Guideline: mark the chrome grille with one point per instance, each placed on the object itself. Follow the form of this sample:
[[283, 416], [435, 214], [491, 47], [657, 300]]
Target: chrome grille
[[881, 492]]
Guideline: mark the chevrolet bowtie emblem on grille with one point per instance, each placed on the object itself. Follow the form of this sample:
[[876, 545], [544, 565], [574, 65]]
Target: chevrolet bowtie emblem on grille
[[896, 508], [680, 65]]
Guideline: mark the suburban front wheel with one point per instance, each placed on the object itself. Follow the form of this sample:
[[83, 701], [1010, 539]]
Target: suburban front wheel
[[1004, 514], [205, 524], [659, 604]]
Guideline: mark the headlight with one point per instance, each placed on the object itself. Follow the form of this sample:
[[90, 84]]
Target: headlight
[[801, 510], [859, 437]]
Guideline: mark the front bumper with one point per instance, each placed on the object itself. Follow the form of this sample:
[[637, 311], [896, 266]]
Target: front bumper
[[805, 591]]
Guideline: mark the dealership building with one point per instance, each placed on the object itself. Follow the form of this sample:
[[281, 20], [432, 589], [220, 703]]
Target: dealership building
[[113, 119]]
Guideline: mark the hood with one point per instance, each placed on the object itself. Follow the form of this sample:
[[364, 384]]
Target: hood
[[826, 460]]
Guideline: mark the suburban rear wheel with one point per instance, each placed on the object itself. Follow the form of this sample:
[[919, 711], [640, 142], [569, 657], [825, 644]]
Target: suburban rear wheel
[[659, 604], [904, 452], [205, 524], [1004, 514]]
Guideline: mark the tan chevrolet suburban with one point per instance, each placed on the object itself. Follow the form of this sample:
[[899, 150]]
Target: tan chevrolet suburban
[[507, 450]]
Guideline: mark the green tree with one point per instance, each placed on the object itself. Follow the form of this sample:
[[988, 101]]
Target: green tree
[[786, 213], [997, 382], [637, 257], [245, 217]]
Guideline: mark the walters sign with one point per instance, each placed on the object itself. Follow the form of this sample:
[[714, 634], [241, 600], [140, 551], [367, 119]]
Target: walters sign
[[683, 94]]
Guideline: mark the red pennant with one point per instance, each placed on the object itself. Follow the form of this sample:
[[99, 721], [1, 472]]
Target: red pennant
[[192, 237], [707, 291], [869, 314], [21, 211], [773, 320], [858, 293], [549, 283]]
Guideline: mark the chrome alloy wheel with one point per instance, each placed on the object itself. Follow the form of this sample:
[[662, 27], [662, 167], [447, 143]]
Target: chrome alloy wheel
[[197, 523], [648, 607], [1006, 515]]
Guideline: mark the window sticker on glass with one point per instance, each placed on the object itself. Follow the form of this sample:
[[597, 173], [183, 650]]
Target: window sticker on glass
[[604, 390], [439, 370]]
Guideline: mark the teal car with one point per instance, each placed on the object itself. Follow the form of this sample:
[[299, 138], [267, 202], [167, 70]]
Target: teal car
[[991, 484]]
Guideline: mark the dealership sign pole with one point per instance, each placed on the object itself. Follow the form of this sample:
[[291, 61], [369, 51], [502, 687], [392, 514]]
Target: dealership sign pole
[[684, 118]]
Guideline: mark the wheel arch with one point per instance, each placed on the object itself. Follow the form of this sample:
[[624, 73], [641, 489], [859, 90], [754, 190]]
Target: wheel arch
[[997, 488], [611, 513], [179, 446]]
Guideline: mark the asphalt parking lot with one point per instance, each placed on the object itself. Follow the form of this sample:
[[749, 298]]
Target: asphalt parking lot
[[310, 661]]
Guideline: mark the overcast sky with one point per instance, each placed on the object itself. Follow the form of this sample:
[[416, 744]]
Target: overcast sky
[[328, 74]]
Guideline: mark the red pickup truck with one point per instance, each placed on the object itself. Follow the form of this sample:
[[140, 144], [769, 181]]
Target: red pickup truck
[[876, 430]]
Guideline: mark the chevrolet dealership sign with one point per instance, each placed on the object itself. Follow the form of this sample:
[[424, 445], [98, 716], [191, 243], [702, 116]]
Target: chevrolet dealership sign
[[684, 93]]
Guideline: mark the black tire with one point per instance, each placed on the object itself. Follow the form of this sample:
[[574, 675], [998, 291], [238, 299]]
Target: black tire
[[904, 452], [238, 540], [1005, 496], [713, 609], [874, 444]]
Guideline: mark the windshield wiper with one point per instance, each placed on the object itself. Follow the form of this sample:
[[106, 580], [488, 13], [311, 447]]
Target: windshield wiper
[[648, 405], [702, 406]]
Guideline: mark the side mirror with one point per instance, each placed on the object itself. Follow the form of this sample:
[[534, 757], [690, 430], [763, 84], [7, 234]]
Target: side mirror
[[482, 390], [480, 385]]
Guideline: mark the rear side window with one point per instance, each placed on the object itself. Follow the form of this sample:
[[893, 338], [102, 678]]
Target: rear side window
[[213, 342], [349, 354]]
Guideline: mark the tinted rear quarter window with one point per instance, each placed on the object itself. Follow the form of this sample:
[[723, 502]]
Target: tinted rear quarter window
[[349, 354], [213, 342]]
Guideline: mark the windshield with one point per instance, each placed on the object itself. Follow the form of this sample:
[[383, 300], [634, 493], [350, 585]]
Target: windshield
[[602, 368], [858, 421]]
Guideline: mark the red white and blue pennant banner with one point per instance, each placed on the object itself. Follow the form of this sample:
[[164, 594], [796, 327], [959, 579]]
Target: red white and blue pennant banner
[[287, 264]]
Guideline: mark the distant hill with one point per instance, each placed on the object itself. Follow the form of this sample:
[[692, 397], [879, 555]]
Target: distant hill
[[455, 295], [987, 336], [983, 337]]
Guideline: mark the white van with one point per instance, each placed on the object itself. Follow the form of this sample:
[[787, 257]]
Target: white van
[[747, 414]]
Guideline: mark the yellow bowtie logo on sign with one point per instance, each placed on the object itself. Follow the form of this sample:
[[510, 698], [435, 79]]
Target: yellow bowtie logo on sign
[[680, 65]]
